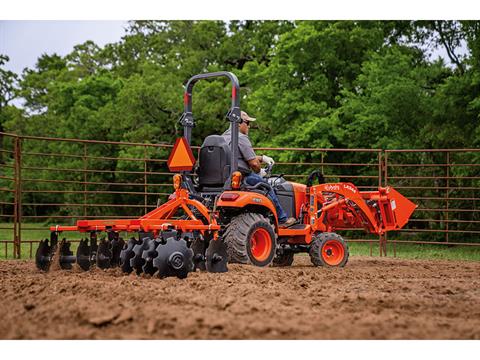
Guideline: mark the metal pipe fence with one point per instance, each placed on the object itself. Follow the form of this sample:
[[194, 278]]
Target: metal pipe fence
[[49, 181], [445, 183]]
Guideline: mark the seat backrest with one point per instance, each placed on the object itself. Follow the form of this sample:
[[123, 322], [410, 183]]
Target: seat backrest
[[214, 161]]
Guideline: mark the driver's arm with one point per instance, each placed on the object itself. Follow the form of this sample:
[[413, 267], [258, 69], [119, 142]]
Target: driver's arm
[[248, 154], [255, 164]]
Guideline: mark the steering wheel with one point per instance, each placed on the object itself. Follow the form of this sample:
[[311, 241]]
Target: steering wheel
[[268, 170], [315, 174]]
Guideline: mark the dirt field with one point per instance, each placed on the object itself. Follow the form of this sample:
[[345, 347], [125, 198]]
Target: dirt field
[[371, 298]]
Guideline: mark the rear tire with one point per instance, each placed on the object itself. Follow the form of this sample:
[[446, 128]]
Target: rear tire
[[329, 249], [250, 239]]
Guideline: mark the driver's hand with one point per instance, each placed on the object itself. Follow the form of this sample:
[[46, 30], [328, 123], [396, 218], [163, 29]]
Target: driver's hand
[[262, 173], [268, 160]]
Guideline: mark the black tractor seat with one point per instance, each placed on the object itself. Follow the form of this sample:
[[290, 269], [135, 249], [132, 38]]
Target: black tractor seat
[[214, 164]]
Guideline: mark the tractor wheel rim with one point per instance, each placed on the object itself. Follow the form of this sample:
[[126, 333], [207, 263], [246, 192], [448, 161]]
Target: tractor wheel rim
[[333, 252], [260, 244]]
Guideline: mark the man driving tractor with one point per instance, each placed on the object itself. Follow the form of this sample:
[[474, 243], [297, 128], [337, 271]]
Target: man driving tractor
[[249, 164]]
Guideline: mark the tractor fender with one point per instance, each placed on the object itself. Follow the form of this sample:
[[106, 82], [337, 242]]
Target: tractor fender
[[246, 199]]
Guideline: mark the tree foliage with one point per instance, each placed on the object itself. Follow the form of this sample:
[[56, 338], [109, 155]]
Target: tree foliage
[[336, 83]]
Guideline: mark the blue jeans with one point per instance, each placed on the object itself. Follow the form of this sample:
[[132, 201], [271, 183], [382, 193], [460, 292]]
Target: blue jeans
[[254, 179]]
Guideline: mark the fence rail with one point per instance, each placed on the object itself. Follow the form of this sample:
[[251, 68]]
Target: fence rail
[[48, 181]]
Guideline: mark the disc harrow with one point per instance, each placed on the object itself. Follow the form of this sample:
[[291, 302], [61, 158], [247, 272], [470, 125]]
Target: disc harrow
[[168, 254]]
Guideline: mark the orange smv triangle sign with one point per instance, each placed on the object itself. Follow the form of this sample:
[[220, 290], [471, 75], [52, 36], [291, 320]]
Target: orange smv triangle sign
[[181, 158]]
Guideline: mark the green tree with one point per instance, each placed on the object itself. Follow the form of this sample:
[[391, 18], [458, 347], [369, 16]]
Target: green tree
[[8, 81], [392, 99], [312, 64]]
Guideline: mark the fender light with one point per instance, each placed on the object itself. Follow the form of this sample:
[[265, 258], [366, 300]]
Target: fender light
[[236, 180], [229, 196], [177, 181]]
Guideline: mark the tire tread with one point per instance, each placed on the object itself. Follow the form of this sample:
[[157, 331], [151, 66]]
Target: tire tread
[[236, 233], [315, 251]]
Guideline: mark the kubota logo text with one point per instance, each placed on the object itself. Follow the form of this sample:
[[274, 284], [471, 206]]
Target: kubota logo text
[[332, 187], [349, 187]]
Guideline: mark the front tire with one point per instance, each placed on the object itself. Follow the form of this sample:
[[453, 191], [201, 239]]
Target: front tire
[[329, 249], [250, 239]]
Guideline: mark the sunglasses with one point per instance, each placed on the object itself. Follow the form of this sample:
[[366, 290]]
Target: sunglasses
[[247, 123]]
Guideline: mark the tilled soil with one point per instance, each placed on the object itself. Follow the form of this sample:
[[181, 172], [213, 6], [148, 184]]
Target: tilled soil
[[371, 298]]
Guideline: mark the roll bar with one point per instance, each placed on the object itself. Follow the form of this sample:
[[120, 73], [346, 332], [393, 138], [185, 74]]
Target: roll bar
[[233, 114]]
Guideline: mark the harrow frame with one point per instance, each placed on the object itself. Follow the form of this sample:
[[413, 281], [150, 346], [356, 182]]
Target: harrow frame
[[155, 221]]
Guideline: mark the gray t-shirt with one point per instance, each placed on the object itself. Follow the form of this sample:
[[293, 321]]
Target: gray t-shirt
[[245, 148]]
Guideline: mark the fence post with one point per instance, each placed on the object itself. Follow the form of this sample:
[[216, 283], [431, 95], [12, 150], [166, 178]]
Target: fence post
[[85, 179], [381, 165], [15, 198], [17, 228], [447, 190], [385, 182], [145, 180]]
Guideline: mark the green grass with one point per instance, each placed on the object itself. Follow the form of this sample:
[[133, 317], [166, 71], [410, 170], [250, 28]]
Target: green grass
[[414, 251], [36, 232]]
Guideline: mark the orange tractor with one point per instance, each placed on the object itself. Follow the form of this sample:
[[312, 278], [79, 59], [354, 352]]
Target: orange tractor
[[214, 217]]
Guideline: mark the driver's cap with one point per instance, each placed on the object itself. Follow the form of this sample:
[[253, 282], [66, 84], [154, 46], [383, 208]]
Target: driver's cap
[[245, 116]]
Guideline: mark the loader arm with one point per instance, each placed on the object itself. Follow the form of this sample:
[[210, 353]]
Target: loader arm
[[341, 206]]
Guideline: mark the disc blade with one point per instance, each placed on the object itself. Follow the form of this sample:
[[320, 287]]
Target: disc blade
[[137, 261], [66, 258], [112, 235], [117, 246], [104, 254], [216, 256], [53, 239], [198, 248], [174, 258], [43, 255], [126, 254], [93, 245], [83, 255], [148, 255]]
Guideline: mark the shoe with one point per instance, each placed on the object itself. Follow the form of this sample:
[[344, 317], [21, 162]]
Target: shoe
[[288, 222]]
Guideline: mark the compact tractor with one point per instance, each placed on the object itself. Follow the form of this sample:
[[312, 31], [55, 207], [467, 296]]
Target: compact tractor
[[214, 217]]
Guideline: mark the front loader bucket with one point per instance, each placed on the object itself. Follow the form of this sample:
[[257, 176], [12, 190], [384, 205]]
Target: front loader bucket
[[402, 208]]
